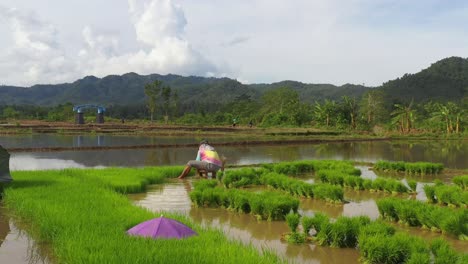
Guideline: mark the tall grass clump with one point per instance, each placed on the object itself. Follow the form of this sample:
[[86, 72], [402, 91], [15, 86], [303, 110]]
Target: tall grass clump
[[85, 221], [420, 168]]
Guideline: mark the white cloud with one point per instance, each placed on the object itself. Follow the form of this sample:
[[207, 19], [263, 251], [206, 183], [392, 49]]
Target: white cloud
[[37, 57]]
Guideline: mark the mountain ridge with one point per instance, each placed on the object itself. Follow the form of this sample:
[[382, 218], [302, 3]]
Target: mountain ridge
[[446, 79]]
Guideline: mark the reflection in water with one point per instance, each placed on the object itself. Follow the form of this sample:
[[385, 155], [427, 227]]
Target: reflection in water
[[243, 227], [265, 234], [16, 247], [27, 162], [242, 155]]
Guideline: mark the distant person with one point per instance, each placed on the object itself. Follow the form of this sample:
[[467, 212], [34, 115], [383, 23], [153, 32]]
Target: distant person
[[234, 122], [122, 120], [250, 123], [207, 160]]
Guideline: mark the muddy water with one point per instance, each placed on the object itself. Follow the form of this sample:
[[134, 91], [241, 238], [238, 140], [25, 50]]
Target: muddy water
[[263, 234], [16, 247], [451, 153]]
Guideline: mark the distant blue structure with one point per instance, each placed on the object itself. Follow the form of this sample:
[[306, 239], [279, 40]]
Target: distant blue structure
[[79, 116]]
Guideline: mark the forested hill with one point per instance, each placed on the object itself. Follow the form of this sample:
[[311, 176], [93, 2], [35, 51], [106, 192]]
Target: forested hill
[[129, 89], [444, 80]]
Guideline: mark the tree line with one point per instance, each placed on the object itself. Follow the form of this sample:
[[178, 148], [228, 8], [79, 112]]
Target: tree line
[[280, 107]]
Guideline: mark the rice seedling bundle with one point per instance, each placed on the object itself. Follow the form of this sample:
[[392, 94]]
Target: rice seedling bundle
[[461, 181], [298, 167], [84, 221], [266, 205], [412, 184], [241, 177], [450, 195], [416, 213], [421, 168], [331, 193], [292, 220]]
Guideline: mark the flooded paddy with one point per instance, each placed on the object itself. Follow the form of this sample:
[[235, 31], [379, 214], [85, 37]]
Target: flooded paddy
[[17, 247], [266, 234], [451, 153]]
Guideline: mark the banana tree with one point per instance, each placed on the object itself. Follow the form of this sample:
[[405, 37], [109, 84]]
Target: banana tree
[[403, 116]]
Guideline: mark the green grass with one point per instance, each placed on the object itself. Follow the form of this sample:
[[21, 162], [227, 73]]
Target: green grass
[[84, 220]]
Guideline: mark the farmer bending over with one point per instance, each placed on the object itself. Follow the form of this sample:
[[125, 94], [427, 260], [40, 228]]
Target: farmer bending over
[[207, 160]]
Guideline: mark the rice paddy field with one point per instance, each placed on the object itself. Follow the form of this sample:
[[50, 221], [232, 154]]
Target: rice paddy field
[[308, 211]]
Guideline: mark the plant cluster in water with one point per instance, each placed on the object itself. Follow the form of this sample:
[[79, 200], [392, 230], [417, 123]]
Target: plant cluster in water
[[265, 205], [377, 242], [421, 168], [416, 213]]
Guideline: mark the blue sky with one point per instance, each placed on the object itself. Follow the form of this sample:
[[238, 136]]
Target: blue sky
[[254, 41]]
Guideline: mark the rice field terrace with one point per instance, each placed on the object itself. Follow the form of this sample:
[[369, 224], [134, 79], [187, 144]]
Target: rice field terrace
[[81, 215]]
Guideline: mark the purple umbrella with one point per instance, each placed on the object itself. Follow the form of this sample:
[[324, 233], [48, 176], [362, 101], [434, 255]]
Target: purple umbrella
[[161, 227]]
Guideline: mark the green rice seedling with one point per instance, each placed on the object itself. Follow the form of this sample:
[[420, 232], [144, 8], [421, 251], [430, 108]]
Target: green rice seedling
[[429, 190], [387, 209], [324, 237], [257, 206], [331, 176], [442, 252], [85, 221], [395, 186], [384, 249], [292, 220], [461, 181], [376, 228], [367, 184], [307, 224], [379, 184], [357, 183], [449, 195], [407, 213], [412, 184], [241, 177], [204, 184], [328, 192], [293, 186], [344, 232], [455, 223], [416, 213], [419, 258], [421, 168], [318, 221]]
